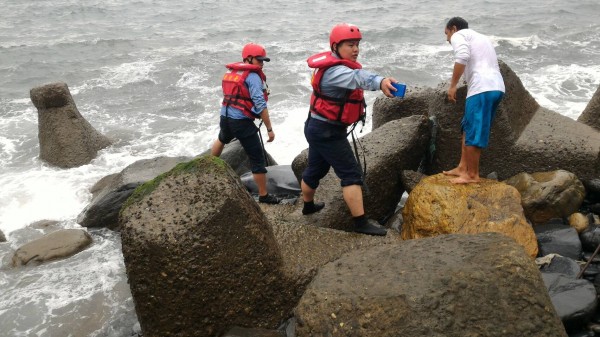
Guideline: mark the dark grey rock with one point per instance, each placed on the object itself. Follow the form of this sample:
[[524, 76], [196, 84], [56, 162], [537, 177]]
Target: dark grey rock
[[104, 212], [588, 255], [113, 190], [595, 208], [562, 265], [395, 221], [2, 237], [415, 288], [281, 181], [591, 271], [558, 239], [493, 176], [574, 300], [590, 238], [592, 188], [66, 138], [410, 179], [56, 245]]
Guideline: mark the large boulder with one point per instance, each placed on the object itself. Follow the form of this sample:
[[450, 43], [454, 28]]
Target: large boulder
[[66, 138], [110, 192], [436, 206], [305, 247], [557, 238], [524, 138], [2, 237], [56, 245], [575, 300], [591, 114], [397, 146], [200, 255], [548, 195], [451, 285]]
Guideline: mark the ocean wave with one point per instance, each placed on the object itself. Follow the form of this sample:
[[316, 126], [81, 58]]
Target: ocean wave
[[566, 89], [522, 43], [92, 282], [118, 76]]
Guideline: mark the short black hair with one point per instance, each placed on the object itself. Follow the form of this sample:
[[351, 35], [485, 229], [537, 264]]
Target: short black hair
[[459, 22]]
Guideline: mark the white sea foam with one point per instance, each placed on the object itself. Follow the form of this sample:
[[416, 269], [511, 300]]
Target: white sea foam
[[566, 89], [121, 75], [50, 295], [193, 79], [522, 43]]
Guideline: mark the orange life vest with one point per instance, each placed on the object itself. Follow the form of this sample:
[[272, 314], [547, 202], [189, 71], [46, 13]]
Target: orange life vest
[[235, 91], [348, 109]]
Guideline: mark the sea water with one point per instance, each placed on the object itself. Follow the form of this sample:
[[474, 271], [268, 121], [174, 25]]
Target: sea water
[[146, 73]]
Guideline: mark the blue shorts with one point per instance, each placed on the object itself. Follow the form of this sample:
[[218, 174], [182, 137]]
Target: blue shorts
[[480, 111], [247, 133], [328, 147]]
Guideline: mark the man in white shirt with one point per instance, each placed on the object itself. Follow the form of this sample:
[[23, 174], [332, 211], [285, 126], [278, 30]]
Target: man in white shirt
[[476, 58]]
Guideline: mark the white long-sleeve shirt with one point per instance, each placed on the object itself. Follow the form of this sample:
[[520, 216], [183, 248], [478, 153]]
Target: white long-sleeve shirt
[[477, 53]]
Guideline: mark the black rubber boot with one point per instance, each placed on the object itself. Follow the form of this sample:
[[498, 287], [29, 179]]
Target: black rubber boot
[[311, 207], [367, 226], [268, 199]]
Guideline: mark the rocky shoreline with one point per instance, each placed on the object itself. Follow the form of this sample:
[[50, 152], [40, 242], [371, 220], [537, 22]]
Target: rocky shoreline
[[204, 259]]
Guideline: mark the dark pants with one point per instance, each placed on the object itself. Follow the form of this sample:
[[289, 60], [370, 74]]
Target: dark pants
[[247, 133], [329, 147]]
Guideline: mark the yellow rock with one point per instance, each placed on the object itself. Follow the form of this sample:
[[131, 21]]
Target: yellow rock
[[436, 206], [579, 221]]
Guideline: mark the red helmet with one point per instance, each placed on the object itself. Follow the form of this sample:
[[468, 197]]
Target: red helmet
[[344, 31], [255, 50]]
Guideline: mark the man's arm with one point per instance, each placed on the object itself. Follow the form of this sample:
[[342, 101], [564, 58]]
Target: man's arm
[[256, 93], [344, 77], [264, 115], [458, 71], [462, 55]]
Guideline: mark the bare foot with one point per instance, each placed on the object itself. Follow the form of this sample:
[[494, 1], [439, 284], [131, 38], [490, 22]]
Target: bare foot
[[457, 171], [464, 180]]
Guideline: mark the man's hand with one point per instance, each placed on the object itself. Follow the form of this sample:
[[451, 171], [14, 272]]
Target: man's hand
[[271, 135], [452, 94], [386, 86]]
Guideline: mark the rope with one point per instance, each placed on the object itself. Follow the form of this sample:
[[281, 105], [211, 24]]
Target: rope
[[364, 168], [262, 144]]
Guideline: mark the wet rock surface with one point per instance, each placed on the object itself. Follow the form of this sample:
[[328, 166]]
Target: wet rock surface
[[557, 238], [548, 195], [56, 245], [574, 300], [415, 288]]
